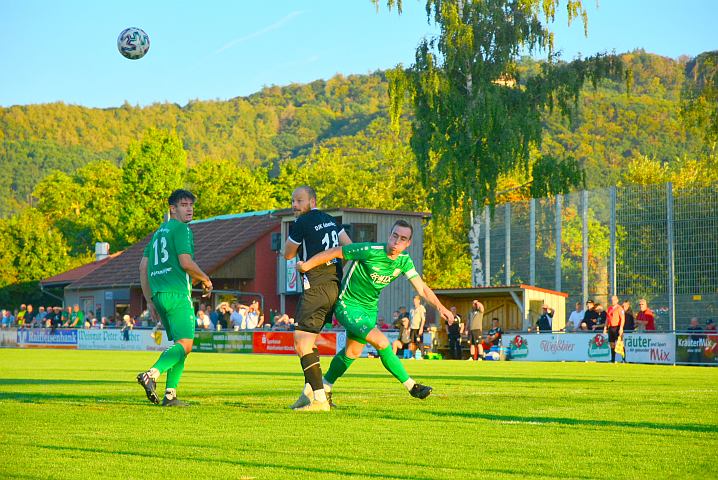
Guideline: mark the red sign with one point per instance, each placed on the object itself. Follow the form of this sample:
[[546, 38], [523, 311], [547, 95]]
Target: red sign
[[283, 343]]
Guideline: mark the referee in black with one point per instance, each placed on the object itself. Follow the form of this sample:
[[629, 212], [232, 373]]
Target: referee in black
[[312, 232]]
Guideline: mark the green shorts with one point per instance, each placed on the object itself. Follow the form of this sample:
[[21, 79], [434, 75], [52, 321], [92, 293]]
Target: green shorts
[[177, 314], [358, 321]]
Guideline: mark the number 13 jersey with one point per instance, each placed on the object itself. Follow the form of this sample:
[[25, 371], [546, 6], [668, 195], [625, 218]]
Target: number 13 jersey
[[314, 232], [165, 273]]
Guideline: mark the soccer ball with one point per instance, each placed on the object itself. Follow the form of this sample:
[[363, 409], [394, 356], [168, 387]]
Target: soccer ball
[[133, 43]]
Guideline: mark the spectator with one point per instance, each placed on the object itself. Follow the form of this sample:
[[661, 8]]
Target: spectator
[[381, 324], [544, 321], [7, 319], [403, 313], [203, 322], [223, 315], [40, 318], [30, 315], [395, 321], [252, 317], [453, 330], [418, 319], [283, 322], [65, 316], [694, 352], [475, 325], [614, 325], [710, 326], [575, 319], [602, 316], [645, 319], [493, 338], [77, 318], [630, 319], [20, 316], [127, 325], [236, 319], [404, 339], [591, 316]]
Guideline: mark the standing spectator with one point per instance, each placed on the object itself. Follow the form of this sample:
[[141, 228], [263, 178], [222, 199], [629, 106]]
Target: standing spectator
[[453, 330], [20, 316], [615, 322], [404, 340], [237, 317], [575, 319], [252, 316], [544, 321], [127, 325], [7, 319], [591, 316], [77, 317], [645, 318], [418, 319], [30, 316], [630, 324], [475, 325], [223, 315], [165, 270]]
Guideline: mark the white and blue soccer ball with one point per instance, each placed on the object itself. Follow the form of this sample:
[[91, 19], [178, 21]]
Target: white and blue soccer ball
[[133, 43]]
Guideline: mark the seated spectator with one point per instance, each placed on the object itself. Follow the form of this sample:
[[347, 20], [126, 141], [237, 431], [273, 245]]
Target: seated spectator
[[203, 322], [66, 315], [283, 322], [493, 337], [404, 340], [381, 324], [237, 317], [395, 322], [602, 316], [223, 314], [40, 317], [30, 315]]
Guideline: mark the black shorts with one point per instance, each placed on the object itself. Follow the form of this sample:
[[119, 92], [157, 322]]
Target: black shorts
[[475, 337], [316, 307], [415, 337], [613, 334]]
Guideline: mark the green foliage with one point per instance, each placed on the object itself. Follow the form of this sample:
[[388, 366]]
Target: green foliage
[[154, 167], [221, 188], [699, 106], [475, 118]]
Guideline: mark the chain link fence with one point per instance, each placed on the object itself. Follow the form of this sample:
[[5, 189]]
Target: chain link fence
[[653, 242]]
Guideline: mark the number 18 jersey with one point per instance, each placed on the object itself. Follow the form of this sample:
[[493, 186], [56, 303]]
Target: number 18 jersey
[[314, 232], [165, 273]]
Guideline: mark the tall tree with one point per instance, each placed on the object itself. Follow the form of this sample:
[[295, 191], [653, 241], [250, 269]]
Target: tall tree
[[476, 118], [153, 168]]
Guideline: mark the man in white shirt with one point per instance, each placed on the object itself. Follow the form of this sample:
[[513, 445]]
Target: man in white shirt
[[575, 319]]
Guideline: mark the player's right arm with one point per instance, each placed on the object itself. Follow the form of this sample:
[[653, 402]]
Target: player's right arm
[[320, 258], [146, 291]]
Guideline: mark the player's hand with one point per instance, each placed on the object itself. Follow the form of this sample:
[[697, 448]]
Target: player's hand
[[301, 267], [206, 288], [446, 314]]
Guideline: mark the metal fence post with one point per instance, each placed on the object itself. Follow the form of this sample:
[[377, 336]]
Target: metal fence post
[[584, 253], [507, 224], [612, 260], [487, 247], [671, 255], [559, 209], [532, 242]]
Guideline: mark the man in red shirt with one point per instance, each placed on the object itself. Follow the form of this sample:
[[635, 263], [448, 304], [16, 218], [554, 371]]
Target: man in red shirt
[[615, 320], [645, 319]]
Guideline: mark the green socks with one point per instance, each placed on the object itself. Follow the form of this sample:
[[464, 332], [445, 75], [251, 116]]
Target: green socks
[[392, 363], [174, 373], [169, 358], [340, 364]]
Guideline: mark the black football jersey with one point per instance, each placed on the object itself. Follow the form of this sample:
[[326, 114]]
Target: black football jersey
[[314, 232]]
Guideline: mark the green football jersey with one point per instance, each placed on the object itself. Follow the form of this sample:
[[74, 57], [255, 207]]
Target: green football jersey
[[370, 272], [165, 273]]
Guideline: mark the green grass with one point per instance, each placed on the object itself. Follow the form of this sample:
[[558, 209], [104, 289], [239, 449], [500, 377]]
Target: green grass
[[80, 414]]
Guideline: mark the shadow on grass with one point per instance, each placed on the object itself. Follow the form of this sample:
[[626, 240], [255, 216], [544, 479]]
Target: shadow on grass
[[686, 427], [55, 381], [43, 397], [225, 461]]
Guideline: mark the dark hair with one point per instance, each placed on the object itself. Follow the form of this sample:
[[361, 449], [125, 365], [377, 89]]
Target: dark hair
[[310, 191], [405, 224], [178, 195]]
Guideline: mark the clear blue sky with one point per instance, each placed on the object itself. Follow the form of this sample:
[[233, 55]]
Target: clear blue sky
[[66, 51]]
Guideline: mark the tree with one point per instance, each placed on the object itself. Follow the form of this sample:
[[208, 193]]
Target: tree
[[476, 118], [154, 167], [699, 106]]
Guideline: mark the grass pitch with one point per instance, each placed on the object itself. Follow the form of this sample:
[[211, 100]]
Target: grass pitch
[[80, 414]]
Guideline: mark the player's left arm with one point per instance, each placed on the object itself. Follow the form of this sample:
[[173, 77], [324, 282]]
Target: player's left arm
[[320, 258], [428, 294], [344, 238]]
